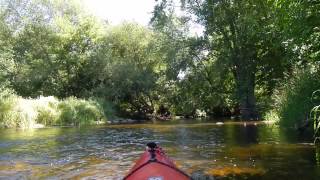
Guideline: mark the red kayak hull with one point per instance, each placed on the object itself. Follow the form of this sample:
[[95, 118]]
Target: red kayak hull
[[159, 168]]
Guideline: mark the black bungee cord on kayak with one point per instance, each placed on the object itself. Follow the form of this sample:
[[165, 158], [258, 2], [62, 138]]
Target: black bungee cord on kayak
[[152, 149], [152, 145]]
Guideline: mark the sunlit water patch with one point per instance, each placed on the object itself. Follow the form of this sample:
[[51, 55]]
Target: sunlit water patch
[[224, 151]]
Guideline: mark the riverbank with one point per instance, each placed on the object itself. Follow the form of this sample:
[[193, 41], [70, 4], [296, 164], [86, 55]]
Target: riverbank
[[22, 113], [18, 112]]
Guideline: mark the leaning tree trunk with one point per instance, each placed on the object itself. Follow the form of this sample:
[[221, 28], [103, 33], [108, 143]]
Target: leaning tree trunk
[[245, 85]]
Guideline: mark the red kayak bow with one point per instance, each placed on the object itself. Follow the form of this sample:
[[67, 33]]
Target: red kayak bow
[[155, 165]]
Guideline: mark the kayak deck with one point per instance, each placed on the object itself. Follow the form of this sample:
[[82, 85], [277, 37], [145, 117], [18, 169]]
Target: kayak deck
[[155, 165]]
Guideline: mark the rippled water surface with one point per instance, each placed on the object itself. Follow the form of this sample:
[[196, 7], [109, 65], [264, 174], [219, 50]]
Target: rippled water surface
[[224, 151]]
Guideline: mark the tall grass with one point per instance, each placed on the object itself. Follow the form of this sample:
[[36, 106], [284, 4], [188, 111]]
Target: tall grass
[[293, 102], [17, 112], [79, 112], [7, 103], [315, 115], [47, 109]]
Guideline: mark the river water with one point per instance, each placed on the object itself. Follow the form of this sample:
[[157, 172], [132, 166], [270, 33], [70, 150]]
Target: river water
[[233, 150]]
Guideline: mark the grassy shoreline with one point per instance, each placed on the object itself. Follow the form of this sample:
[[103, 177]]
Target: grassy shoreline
[[18, 112]]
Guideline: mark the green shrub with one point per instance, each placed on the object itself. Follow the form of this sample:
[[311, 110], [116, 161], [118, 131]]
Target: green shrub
[[17, 112], [75, 111], [7, 102], [272, 115], [315, 116], [25, 113], [293, 103], [47, 108], [108, 107]]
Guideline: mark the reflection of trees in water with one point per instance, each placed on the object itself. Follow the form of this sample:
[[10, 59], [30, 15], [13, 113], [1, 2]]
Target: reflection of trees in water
[[270, 133], [252, 134], [241, 135]]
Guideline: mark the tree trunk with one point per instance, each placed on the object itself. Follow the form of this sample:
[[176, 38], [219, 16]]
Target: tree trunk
[[245, 85]]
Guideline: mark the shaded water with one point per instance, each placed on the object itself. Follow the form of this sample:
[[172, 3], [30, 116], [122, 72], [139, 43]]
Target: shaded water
[[228, 151]]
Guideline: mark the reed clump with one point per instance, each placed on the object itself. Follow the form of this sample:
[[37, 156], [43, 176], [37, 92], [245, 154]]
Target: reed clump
[[18, 112]]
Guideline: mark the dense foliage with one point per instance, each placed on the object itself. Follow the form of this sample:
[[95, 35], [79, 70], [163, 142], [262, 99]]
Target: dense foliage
[[253, 50], [249, 50]]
